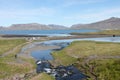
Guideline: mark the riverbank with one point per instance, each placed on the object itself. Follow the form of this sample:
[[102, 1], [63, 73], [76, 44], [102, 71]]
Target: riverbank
[[42, 50], [13, 64], [104, 32], [99, 60], [73, 36]]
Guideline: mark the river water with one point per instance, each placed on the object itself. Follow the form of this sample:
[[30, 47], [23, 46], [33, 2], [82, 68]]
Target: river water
[[39, 54]]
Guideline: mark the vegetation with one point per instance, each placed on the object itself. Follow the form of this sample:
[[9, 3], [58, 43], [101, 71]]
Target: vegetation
[[105, 32], [64, 59], [111, 32], [99, 60], [43, 76], [6, 45], [107, 69], [9, 65]]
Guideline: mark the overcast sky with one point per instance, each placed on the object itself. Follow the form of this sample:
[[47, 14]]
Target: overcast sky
[[62, 12]]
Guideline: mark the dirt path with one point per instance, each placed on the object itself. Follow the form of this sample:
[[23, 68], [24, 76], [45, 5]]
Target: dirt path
[[13, 50]]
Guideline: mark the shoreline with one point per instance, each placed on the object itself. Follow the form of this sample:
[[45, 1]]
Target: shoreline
[[27, 52], [80, 36], [72, 36], [47, 47]]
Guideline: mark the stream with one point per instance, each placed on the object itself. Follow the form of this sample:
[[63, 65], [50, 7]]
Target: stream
[[45, 53]]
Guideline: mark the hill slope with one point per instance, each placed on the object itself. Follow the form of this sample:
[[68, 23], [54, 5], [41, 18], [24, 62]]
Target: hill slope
[[33, 26], [111, 23]]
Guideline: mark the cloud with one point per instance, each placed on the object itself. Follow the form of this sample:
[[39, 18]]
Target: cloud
[[95, 15]]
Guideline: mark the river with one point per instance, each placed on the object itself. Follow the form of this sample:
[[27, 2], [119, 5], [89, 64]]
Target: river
[[39, 54]]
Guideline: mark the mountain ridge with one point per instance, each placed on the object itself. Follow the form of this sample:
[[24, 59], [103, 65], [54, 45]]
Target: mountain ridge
[[111, 23], [33, 26]]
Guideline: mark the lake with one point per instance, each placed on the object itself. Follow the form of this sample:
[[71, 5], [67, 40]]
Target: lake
[[46, 32]]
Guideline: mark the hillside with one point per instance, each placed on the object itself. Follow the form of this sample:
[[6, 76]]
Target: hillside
[[33, 26], [111, 23], [54, 26]]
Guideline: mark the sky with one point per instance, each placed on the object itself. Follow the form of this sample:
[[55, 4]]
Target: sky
[[61, 12]]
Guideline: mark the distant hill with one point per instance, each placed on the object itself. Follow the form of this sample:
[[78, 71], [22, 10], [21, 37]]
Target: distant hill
[[111, 23], [54, 26], [2, 28], [33, 26]]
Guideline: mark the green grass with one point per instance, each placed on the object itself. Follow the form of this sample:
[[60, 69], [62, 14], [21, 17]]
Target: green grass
[[105, 32], [62, 58], [43, 76], [6, 45], [112, 32], [76, 53], [107, 69], [79, 51], [7, 69], [88, 48], [46, 77], [8, 64]]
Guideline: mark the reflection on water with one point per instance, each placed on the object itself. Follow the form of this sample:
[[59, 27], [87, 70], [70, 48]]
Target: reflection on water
[[46, 53], [42, 54], [63, 43]]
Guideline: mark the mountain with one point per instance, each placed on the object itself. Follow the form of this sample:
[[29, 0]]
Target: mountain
[[34, 26], [111, 23], [2, 28], [54, 26]]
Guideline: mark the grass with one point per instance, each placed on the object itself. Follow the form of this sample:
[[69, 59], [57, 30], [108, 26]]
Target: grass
[[9, 66], [101, 67], [107, 69], [111, 32], [77, 53], [87, 48], [43, 76], [6, 45], [62, 58], [105, 32], [10, 69]]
